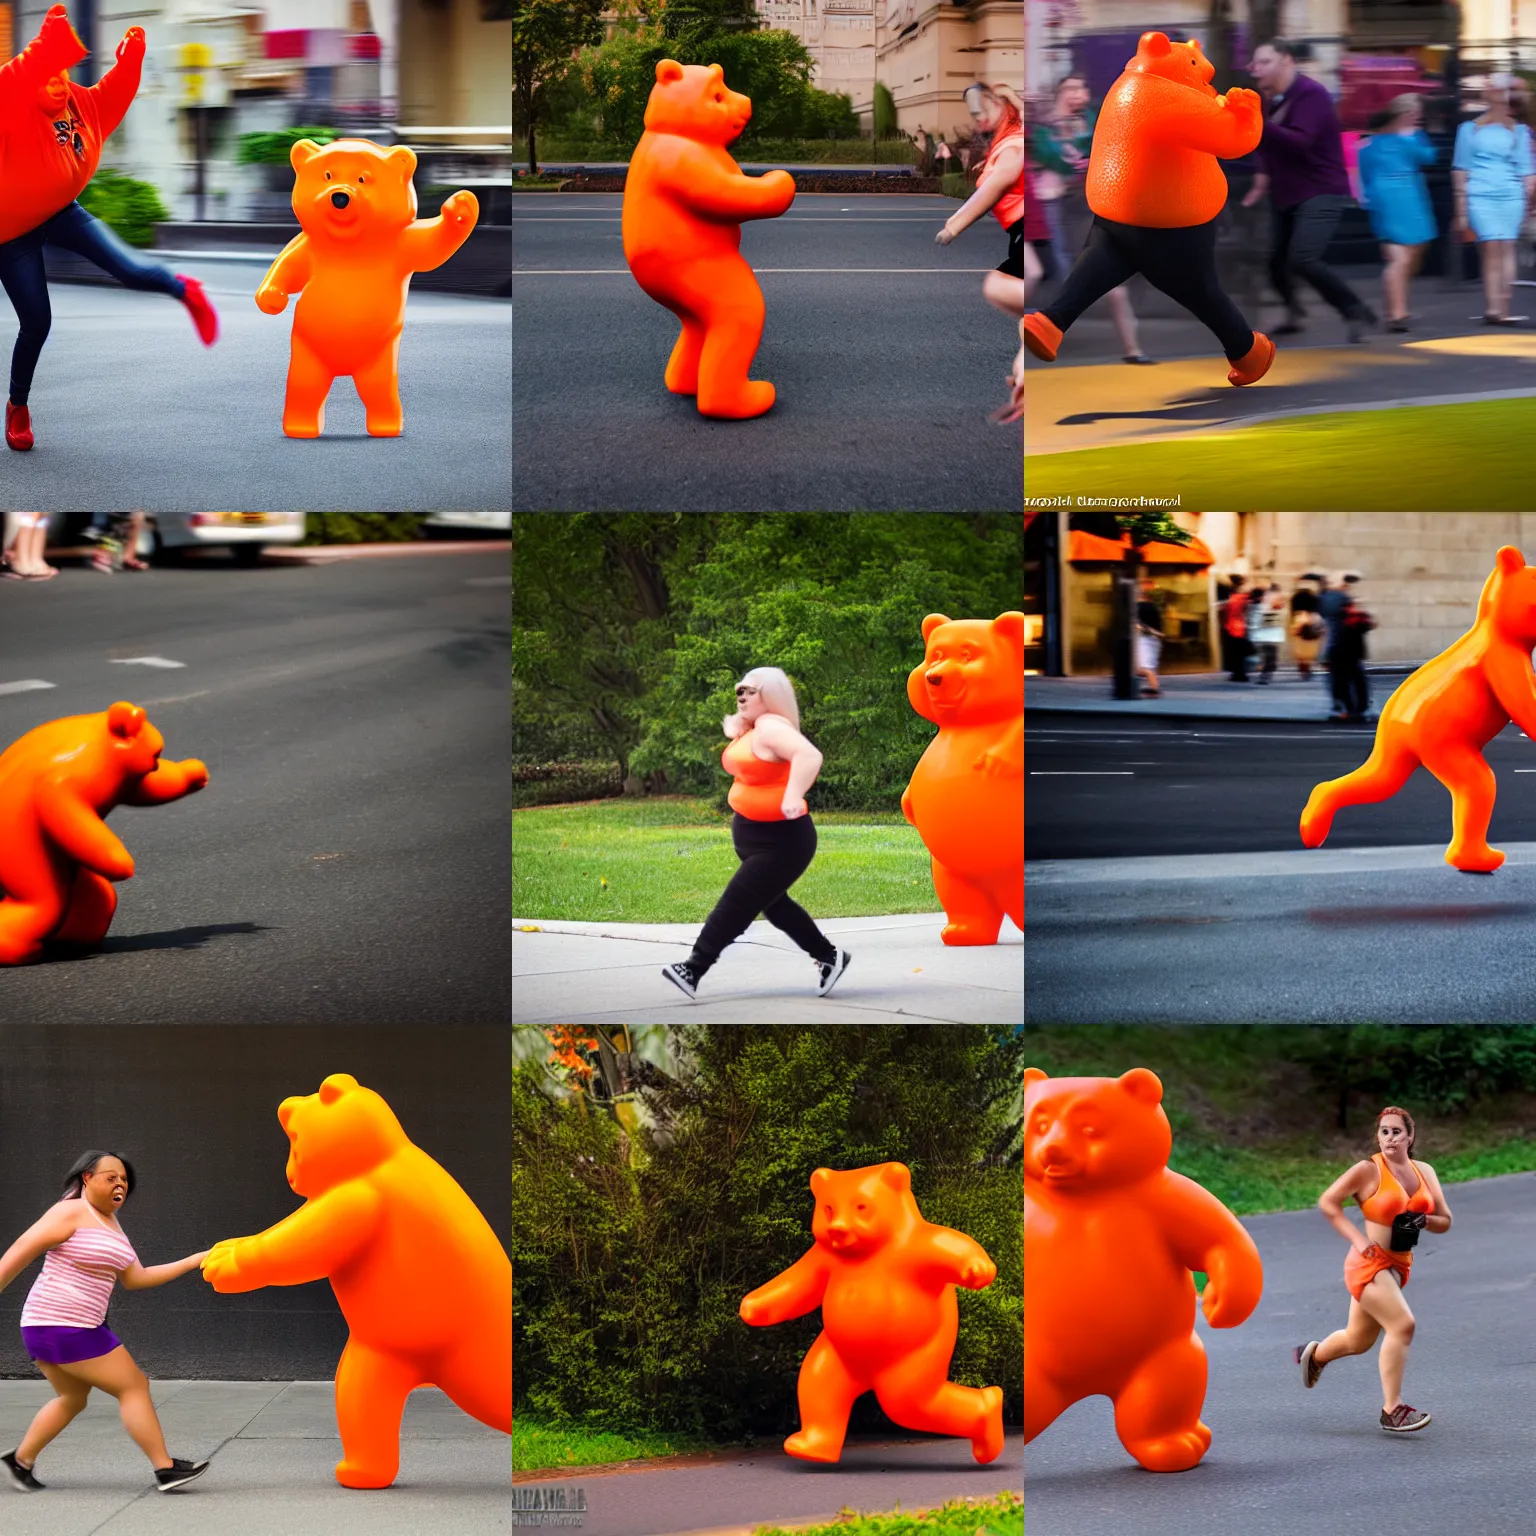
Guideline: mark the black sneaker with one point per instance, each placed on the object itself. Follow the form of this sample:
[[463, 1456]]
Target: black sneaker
[[178, 1474], [21, 1477], [684, 978], [829, 971], [1403, 1420], [1311, 1367]]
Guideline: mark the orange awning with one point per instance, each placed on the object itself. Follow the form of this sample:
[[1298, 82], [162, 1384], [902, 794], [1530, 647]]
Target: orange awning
[[1090, 547]]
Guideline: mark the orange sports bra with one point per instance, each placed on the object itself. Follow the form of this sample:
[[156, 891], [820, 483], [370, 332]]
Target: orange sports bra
[[758, 793], [1389, 1199]]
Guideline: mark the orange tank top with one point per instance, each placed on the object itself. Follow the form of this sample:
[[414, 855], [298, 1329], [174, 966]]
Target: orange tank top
[[1009, 208], [1390, 1200], [758, 793]]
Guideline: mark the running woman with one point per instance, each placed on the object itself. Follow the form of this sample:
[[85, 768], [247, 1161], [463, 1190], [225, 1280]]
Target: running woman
[[63, 1323], [1398, 1198], [999, 191], [773, 766], [51, 134], [22, 558]]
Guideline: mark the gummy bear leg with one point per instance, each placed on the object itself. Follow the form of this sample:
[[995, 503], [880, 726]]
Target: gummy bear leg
[[1157, 1413], [378, 386], [682, 376], [827, 1391], [916, 1393], [974, 917], [478, 1377], [1470, 780], [733, 328], [309, 382], [1044, 1401], [92, 901], [1378, 778], [23, 927], [371, 1389]]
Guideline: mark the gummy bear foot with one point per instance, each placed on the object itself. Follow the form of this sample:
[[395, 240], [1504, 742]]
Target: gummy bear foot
[[351, 1474], [970, 933], [1474, 858], [811, 1445], [293, 427], [1254, 363], [752, 399], [987, 1442], [1173, 1453], [385, 426]]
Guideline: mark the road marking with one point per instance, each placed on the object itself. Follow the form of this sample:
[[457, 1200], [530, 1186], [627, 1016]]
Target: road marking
[[1051, 773], [145, 661], [840, 271], [27, 685], [488, 581]]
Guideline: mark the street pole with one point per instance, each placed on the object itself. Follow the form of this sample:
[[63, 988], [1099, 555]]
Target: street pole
[[1126, 684]]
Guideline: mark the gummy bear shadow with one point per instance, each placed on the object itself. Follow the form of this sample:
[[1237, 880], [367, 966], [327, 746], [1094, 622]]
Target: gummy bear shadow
[[174, 938], [1213, 409], [1365, 917]]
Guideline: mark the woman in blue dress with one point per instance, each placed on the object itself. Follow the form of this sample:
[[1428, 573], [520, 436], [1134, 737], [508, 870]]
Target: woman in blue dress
[[1392, 165], [1494, 177]]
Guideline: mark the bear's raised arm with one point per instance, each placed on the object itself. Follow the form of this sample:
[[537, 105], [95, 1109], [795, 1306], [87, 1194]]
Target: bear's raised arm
[[1228, 127], [113, 94], [731, 195], [951, 1258], [168, 781], [798, 1290], [55, 49], [309, 1245]]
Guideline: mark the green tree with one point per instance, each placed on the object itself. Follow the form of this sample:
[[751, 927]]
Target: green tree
[[885, 111], [545, 37]]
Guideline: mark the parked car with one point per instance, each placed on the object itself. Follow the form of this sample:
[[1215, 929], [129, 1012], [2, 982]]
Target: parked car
[[463, 524], [245, 534]]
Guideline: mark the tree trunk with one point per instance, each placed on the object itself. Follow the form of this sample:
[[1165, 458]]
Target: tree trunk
[[533, 152]]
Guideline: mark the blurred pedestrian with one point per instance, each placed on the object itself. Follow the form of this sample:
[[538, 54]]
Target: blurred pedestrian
[[924, 151], [942, 155], [26, 537], [1352, 689], [1149, 638], [117, 542], [1494, 177], [1301, 160], [1307, 627], [1330, 604], [1061, 146], [1392, 163], [1234, 625], [1269, 629]]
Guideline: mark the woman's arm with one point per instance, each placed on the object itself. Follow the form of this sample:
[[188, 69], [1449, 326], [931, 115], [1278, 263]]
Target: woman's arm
[[45, 1233], [1331, 1203], [788, 745], [139, 1278], [1440, 1221], [1006, 174]]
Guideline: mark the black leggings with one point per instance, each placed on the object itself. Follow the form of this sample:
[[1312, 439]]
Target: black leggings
[[1181, 262], [773, 854]]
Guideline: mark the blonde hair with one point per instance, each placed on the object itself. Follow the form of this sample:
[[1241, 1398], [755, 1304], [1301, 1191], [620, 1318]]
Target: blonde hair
[[776, 691]]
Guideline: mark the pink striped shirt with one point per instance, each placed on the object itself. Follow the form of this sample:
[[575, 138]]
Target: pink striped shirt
[[77, 1278]]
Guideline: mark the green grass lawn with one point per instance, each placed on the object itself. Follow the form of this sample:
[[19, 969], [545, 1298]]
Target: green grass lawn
[[1454, 458], [666, 860], [536, 1445], [999, 1516]]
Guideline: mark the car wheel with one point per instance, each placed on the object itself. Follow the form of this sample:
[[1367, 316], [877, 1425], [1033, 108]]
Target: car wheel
[[247, 554]]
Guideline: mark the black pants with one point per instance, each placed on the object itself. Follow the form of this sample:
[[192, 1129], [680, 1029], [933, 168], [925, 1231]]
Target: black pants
[[773, 854], [1351, 688], [1237, 665], [1181, 262], [1302, 234]]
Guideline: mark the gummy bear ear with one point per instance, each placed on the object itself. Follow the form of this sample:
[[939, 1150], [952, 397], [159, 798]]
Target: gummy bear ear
[[1143, 1085], [336, 1085], [1194, 43], [932, 622], [668, 70], [125, 720], [1510, 559], [820, 1179], [1035, 1075], [1154, 43], [302, 153], [1010, 626], [405, 157], [897, 1175]]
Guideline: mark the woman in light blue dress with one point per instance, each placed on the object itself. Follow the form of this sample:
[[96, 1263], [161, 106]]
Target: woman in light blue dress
[[1494, 176], [1392, 165]]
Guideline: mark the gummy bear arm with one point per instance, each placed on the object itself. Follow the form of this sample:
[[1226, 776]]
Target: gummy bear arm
[[798, 1290], [428, 243], [49, 53], [1204, 1235], [948, 1254], [714, 193], [169, 781], [113, 94], [79, 831], [293, 267], [1219, 131], [317, 1239], [1514, 686]]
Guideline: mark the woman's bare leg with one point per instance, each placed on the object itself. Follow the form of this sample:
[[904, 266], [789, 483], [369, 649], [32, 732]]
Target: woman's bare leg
[[1354, 1338], [117, 1374], [1383, 1300], [50, 1420]]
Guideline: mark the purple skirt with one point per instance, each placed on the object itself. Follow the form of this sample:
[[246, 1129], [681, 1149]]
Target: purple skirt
[[64, 1346]]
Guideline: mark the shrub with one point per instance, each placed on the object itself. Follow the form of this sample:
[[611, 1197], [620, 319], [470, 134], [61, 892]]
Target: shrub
[[129, 207], [556, 783], [362, 527], [885, 112], [955, 184], [273, 148]]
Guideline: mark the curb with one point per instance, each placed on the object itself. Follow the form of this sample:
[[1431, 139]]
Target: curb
[[1183, 715], [324, 554]]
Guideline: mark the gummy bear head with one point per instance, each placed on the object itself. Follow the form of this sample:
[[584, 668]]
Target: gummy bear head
[[1183, 63], [1084, 1134], [972, 670], [53, 94], [352, 192], [1508, 602], [859, 1210], [134, 743], [694, 102], [337, 1134]]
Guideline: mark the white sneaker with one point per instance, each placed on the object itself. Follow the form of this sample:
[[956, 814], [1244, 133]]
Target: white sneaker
[[829, 973]]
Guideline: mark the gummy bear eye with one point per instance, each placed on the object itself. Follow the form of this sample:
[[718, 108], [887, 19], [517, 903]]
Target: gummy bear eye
[[327, 175]]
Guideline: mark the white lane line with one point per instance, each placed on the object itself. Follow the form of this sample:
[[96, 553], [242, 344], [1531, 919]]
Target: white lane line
[[145, 661], [1525, 770], [27, 685], [1052, 773], [841, 271]]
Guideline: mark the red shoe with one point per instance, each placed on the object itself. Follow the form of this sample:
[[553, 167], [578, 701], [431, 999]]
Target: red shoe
[[204, 316], [1254, 363], [18, 427], [1041, 336]]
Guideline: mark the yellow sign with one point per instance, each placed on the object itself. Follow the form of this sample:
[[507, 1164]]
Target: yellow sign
[[196, 56]]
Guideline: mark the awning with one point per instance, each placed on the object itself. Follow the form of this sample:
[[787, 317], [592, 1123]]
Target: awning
[[1090, 547]]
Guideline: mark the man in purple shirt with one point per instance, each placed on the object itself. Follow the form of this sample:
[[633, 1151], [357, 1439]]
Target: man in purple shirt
[[1301, 167]]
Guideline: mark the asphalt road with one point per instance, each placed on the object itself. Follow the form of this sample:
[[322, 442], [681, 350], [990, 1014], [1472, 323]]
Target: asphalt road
[[886, 358], [1285, 1461], [769, 1485], [1113, 788], [347, 862], [131, 410]]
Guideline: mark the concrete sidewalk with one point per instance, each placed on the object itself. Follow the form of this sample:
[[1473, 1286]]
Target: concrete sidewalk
[[901, 973], [1206, 696], [274, 1447]]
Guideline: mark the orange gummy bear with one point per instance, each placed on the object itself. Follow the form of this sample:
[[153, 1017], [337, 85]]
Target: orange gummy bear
[[966, 795], [1443, 716], [684, 200], [421, 1279], [1159, 134], [351, 263], [58, 857], [885, 1282], [1110, 1238]]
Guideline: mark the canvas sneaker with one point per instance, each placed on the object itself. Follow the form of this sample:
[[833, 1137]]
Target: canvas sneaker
[[828, 971], [1311, 1367], [1403, 1419], [178, 1474], [21, 1477], [684, 978]]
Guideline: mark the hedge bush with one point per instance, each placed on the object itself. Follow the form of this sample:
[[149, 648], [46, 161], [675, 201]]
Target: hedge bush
[[129, 207], [363, 527], [274, 148], [554, 783]]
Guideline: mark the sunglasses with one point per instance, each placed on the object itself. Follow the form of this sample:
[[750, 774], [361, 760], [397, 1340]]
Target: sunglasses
[[745, 692]]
